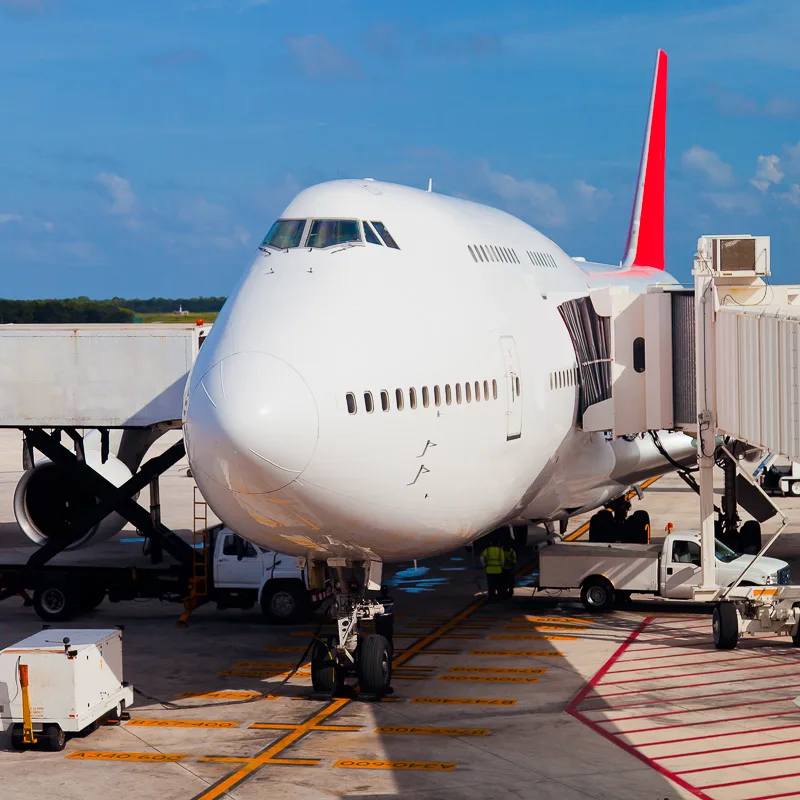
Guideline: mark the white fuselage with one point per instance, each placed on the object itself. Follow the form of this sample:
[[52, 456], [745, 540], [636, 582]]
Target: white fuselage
[[271, 435]]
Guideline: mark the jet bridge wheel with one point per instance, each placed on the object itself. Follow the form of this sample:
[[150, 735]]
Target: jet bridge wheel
[[597, 594], [725, 624]]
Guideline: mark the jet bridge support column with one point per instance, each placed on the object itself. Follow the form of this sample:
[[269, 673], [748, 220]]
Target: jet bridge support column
[[705, 360]]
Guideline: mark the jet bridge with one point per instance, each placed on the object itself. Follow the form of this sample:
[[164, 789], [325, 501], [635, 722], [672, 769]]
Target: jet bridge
[[720, 361]]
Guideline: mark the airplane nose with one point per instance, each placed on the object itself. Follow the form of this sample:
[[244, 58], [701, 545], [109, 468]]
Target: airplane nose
[[251, 423]]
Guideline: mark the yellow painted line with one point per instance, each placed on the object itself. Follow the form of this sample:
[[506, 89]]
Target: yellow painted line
[[279, 665], [519, 638], [486, 679], [280, 726], [401, 676], [428, 766], [181, 723], [291, 737], [261, 673], [585, 527], [285, 649], [514, 670], [460, 636], [298, 762], [441, 652], [113, 755], [463, 701], [576, 620], [414, 730], [463, 627], [416, 668], [225, 695], [535, 653], [547, 627]]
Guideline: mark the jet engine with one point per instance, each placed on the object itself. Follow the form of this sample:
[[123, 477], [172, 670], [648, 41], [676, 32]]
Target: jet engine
[[48, 498]]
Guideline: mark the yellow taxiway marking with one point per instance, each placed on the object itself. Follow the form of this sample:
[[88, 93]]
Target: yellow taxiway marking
[[113, 755], [261, 673], [285, 649], [413, 730], [510, 670], [225, 695], [428, 766], [575, 620], [463, 701], [486, 679], [456, 635], [535, 653], [545, 627], [298, 762], [520, 637], [416, 668], [279, 665], [280, 726], [181, 723], [402, 676]]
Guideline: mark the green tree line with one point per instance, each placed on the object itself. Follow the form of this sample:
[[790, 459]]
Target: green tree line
[[82, 309]]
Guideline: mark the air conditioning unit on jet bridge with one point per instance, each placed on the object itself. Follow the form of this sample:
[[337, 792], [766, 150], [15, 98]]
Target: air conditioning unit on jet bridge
[[742, 256]]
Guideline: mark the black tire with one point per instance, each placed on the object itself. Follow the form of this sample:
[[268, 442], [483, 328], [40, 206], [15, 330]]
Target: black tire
[[284, 602], [325, 675], [622, 599], [794, 489], [597, 594], [725, 624], [57, 602], [375, 665], [93, 596], [17, 742], [53, 738]]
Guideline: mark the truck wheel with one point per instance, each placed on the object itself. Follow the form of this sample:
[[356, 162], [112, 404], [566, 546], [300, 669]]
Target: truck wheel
[[56, 602], [325, 676], [597, 594], [17, 742], [725, 624], [794, 488], [284, 602], [53, 738], [375, 665], [92, 597]]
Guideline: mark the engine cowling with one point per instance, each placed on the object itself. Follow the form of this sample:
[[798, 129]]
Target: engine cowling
[[48, 498]]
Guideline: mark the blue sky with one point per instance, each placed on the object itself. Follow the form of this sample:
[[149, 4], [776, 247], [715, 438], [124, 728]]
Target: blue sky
[[146, 147]]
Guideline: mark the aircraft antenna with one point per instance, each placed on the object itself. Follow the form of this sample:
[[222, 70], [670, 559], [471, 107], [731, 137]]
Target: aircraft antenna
[[430, 184]]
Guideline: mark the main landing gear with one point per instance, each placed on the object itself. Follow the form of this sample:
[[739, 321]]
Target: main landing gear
[[350, 651]]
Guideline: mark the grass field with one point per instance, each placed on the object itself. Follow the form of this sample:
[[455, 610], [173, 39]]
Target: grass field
[[191, 317]]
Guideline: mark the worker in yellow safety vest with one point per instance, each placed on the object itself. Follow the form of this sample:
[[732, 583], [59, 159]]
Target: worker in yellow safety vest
[[509, 567], [493, 565]]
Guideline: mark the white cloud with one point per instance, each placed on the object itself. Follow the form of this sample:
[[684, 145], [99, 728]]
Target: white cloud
[[792, 196], [320, 59], [6, 218], [539, 200], [29, 223], [123, 198], [592, 201], [707, 162], [767, 172], [735, 201]]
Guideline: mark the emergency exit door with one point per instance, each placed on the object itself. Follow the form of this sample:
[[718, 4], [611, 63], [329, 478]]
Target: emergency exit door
[[513, 388]]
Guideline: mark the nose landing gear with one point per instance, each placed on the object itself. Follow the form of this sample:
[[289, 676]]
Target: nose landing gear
[[350, 652]]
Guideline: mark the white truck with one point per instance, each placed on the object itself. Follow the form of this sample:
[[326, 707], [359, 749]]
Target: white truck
[[608, 572]]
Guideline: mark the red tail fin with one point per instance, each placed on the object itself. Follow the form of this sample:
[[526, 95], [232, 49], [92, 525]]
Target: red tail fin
[[645, 246]]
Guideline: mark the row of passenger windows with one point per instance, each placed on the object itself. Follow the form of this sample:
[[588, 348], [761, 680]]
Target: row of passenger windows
[[286, 234], [490, 252], [447, 395], [542, 259], [562, 378]]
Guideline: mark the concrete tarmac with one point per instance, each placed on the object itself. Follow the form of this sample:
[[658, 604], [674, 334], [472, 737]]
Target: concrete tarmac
[[528, 698]]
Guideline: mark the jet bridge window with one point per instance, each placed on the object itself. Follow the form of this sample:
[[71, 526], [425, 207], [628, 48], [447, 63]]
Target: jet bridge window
[[385, 235], [330, 232], [284, 234]]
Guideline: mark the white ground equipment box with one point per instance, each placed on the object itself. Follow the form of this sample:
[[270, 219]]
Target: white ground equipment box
[[74, 680]]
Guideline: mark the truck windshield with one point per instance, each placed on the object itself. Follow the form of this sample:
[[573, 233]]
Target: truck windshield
[[723, 552]]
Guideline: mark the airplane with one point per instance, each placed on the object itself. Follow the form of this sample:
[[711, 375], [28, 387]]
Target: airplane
[[392, 378]]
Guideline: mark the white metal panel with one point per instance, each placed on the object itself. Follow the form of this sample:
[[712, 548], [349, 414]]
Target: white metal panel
[[769, 377], [94, 375], [749, 378], [789, 388], [727, 371], [658, 360]]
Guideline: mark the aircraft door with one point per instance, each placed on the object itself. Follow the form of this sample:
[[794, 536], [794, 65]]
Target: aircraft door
[[513, 387]]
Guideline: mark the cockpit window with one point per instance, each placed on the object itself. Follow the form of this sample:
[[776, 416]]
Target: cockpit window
[[385, 235], [370, 235], [328, 232], [285, 233]]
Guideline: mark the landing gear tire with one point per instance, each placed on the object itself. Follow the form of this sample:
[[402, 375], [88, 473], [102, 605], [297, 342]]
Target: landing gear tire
[[56, 603], [375, 665], [597, 595], [53, 738], [725, 624], [325, 674], [283, 602]]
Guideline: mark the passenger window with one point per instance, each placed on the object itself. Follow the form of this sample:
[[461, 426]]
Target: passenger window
[[486, 390], [468, 392], [458, 394], [494, 388], [398, 399], [284, 234], [330, 232], [370, 235], [368, 404], [425, 397], [384, 400], [351, 403], [448, 394], [437, 396], [385, 235], [412, 397], [477, 391], [518, 387]]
